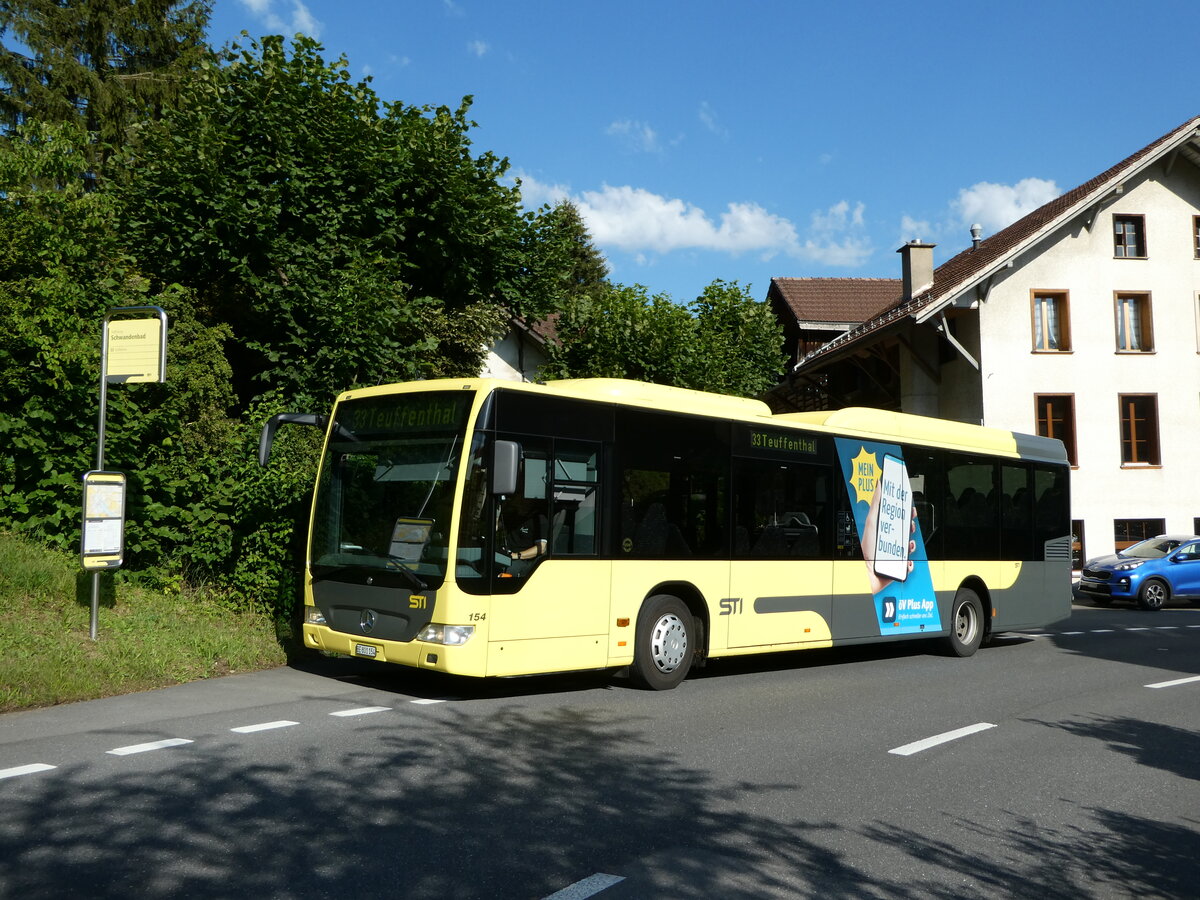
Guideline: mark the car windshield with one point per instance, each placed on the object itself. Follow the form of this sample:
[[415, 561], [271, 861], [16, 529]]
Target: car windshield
[[1154, 548], [387, 482]]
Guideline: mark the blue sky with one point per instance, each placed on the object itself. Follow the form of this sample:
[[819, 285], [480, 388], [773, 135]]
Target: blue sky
[[761, 138]]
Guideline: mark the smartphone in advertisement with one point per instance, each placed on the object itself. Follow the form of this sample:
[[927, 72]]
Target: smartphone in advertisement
[[893, 528]]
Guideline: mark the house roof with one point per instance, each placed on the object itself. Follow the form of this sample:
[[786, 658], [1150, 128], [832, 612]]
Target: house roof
[[975, 265], [542, 331], [836, 301]]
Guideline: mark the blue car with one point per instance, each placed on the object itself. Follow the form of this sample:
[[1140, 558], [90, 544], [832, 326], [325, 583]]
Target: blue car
[[1150, 572]]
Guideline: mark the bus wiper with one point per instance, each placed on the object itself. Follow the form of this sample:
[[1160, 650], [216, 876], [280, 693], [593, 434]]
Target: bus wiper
[[396, 564]]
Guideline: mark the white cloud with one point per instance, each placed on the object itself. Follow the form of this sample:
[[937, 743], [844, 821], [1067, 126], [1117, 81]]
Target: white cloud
[[838, 217], [918, 230], [637, 136], [995, 206], [634, 219], [708, 118], [641, 222], [837, 237], [478, 48], [304, 21], [534, 193], [301, 20]]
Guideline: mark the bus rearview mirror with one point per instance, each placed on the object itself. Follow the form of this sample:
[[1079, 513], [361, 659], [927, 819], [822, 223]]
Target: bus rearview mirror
[[506, 461], [267, 438]]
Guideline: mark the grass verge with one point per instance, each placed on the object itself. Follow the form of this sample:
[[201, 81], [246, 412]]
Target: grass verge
[[145, 638]]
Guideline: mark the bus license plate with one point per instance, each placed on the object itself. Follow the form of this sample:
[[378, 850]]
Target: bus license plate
[[365, 650]]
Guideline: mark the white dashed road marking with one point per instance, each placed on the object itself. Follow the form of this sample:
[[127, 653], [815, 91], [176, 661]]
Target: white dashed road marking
[[24, 770], [145, 748], [361, 711], [263, 726], [588, 887], [918, 746], [427, 702], [1177, 681]]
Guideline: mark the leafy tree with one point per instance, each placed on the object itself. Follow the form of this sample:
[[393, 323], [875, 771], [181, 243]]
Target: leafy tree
[[623, 332], [724, 341], [343, 239], [60, 271], [105, 64], [739, 342]]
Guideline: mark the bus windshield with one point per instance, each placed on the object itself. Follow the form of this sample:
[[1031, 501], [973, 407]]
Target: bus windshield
[[386, 487]]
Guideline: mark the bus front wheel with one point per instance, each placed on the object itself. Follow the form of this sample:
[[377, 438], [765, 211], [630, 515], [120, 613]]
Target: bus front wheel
[[666, 643], [966, 623]]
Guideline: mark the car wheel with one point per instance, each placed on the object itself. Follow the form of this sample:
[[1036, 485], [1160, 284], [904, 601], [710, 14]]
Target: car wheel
[[1153, 594], [666, 643], [966, 623]]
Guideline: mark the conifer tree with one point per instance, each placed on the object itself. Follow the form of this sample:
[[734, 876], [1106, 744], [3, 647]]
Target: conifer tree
[[107, 64]]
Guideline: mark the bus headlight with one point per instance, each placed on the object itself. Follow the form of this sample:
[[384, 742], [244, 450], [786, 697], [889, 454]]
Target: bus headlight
[[450, 635], [313, 616]]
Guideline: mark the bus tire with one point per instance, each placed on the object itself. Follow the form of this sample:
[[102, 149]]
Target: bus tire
[[966, 624], [1153, 594], [665, 643]]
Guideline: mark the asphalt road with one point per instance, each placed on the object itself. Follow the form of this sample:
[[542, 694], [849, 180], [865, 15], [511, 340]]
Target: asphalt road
[[1062, 764]]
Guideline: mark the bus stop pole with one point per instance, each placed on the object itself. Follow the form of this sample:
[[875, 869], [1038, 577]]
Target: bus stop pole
[[100, 465]]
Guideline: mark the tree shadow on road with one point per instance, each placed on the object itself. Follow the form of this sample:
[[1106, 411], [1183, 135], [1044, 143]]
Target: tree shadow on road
[[449, 802]]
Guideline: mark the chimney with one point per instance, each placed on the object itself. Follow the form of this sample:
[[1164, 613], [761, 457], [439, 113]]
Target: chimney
[[976, 235], [916, 267]]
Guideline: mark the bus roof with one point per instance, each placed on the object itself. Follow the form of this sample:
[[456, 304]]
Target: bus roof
[[641, 393], [878, 424], [884, 424]]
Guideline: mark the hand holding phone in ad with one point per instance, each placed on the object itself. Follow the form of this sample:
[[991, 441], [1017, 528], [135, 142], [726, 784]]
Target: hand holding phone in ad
[[888, 533]]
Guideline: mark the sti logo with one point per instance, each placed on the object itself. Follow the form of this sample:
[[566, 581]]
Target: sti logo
[[889, 610]]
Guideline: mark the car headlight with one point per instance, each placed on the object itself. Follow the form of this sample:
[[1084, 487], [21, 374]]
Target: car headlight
[[313, 616], [1126, 566], [450, 635]]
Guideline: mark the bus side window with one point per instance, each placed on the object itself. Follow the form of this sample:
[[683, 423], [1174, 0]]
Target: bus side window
[[925, 476], [972, 513], [575, 489], [783, 510], [522, 525]]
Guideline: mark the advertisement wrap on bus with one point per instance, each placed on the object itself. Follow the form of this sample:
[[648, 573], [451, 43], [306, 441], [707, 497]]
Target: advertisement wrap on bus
[[885, 515]]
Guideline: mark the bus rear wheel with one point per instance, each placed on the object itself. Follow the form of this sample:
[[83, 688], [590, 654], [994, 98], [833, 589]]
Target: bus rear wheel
[[665, 643], [966, 623]]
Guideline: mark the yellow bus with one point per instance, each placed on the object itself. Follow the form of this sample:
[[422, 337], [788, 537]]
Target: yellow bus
[[491, 528]]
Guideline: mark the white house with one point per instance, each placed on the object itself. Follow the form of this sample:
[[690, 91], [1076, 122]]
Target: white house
[[520, 353], [1080, 321]]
